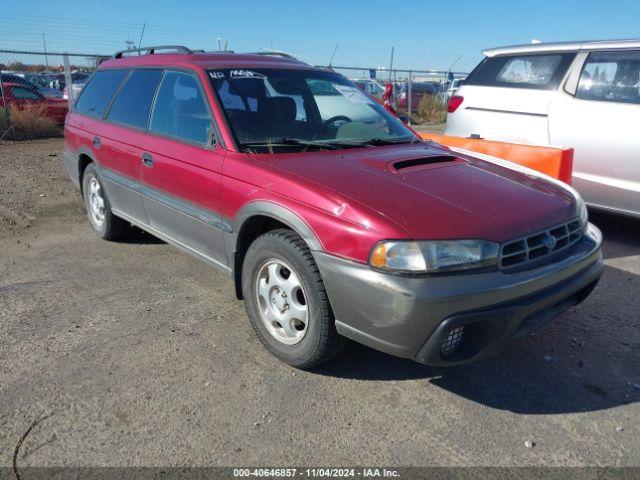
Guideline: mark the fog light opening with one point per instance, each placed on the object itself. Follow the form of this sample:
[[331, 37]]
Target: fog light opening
[[452, 342]]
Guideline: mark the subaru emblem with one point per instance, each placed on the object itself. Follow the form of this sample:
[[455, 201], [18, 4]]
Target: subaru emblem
[[550, 242]]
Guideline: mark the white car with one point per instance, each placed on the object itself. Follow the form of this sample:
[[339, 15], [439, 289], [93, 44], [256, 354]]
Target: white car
[[76, 89], [371, 87], [583, 95]]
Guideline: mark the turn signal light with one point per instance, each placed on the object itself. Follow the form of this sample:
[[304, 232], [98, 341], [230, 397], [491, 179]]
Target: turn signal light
[[379, 256], [454, 102]]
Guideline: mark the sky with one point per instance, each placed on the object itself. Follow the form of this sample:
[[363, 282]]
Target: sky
[[425, 35]]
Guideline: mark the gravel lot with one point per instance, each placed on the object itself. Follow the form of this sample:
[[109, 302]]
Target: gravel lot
[[143, 356]]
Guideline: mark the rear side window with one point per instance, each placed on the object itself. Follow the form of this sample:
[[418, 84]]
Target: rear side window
[[611, 77], [97, 93], [539, 72], [180, 110], [133, 103]]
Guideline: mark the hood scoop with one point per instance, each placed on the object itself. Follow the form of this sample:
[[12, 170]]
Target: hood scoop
[[421, 162]]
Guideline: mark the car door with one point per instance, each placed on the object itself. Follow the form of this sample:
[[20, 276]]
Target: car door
[[599, 118], [121, 139], [181, 168]]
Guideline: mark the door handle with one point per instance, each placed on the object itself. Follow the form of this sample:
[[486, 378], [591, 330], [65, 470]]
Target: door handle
[[96, 142], [147, 159]]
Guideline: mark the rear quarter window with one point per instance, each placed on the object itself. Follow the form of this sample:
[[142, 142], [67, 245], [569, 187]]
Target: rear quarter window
[[98, 92], [538, 72]]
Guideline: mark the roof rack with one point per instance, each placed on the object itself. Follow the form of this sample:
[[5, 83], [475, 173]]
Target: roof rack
[[152, 50]]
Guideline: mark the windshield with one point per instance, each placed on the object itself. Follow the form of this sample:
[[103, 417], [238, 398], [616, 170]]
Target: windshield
[[275, 110]]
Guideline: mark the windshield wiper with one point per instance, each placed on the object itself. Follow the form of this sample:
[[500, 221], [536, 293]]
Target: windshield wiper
[[286, 142], [390, 141], [308, 143], [329, 144]]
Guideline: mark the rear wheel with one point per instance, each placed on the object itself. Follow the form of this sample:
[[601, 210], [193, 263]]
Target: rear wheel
[[286, 300], [103, 222]]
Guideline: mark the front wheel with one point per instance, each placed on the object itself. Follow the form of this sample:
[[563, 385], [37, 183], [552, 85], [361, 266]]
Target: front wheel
[[286, 300]]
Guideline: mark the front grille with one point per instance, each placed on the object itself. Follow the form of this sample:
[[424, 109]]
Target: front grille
[[534, 248]]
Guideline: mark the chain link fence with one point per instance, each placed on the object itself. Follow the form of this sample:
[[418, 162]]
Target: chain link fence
[[421, 95], [36, 88]]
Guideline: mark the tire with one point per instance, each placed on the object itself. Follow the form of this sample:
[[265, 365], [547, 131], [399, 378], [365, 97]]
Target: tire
[[273, 265], [102, 220]]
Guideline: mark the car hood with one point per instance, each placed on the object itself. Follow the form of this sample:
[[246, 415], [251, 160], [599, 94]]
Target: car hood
[[434, 193]]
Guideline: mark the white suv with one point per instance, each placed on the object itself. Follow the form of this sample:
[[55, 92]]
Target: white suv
[[582, 95]]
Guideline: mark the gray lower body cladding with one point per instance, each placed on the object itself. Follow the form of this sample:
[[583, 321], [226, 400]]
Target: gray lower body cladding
[[71, 164], [411, 316]]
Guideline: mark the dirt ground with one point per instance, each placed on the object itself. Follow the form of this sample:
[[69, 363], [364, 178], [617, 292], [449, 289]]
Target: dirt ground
[[143, 356]]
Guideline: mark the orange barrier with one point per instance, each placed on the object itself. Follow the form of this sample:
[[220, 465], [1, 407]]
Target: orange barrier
[[552, 161]]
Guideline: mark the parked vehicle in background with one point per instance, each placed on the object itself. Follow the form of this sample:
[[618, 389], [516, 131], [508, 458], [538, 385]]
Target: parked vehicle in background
[[25, 98], [330, 226], [18, 80], [418, 91], [330, 103], [58, 80], [76, 88], [371, 87], [583, 95], [40, 81], [451, 87], [50, 92]]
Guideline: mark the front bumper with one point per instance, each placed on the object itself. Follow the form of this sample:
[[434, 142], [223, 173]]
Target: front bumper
[[411, 316]]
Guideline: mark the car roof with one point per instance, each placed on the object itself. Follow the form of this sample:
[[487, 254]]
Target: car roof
[[563, 47], [205, 61]]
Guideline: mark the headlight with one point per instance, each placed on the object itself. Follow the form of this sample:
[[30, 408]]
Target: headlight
[[583, 213], [433, 256]]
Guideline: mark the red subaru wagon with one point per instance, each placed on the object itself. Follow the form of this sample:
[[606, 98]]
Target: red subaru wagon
[[332, 217]]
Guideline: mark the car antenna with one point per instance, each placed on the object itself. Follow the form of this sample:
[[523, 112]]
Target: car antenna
[[333, 54]]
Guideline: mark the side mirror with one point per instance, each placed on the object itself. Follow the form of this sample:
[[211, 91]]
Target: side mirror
[[404, 117]]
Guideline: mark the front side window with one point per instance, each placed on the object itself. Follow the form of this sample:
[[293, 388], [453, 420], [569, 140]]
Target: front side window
[[611, 77], [533, 71], [283, 110], [97, 94], [133, 103], [180, 109]]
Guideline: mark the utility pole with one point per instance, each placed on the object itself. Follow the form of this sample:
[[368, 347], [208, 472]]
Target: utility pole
[[141, 35], [46, 58], [219, 40], [391, 65]]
